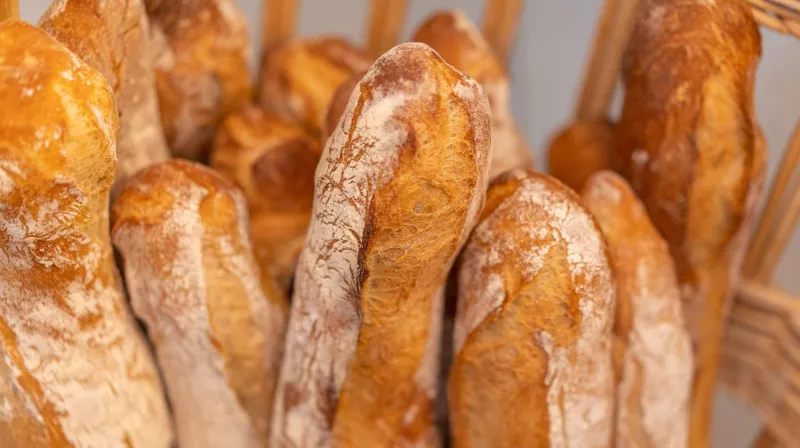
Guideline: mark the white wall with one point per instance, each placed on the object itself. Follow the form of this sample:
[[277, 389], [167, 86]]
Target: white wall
[[546, 68]]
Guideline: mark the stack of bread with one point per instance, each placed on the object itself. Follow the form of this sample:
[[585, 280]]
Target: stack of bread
[[292, 292]]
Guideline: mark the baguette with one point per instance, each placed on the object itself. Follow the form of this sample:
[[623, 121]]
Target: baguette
[[656, 367], [398, 188], [582, 149], [216, 326], [461, 44], [201, 53], [273, 163], [74, 369], [93, 30], [693, 152], [532, 338], [298, 78]]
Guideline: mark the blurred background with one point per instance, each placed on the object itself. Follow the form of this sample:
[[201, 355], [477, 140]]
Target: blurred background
[[546, 68]]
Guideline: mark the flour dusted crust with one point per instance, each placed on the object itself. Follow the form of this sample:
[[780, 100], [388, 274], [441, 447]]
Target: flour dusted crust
[[273, 162], [201, 50], [112, 36], [693, 152], [462, 44], [298, 78], [216, 323], [582, 149], [338, 104], [656, 368], [68, 346], [398, 188], [532, 340]]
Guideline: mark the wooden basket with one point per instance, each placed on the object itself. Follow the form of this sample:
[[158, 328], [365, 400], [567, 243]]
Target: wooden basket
[[761, 356]]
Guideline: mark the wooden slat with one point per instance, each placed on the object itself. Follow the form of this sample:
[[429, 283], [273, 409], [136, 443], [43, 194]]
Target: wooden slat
[[9, 9], [762, 357], [782, 16], [600, 77], [500, 22], [278, 21], [774, 211], [385, 22], [784, 230]]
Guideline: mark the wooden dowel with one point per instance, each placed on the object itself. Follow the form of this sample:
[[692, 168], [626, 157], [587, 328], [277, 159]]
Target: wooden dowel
[[278, 21], [782, 26], [600, 77], [763, 239], [9, 10], [500, 22], [385, 22], [777, 8], [783, 234]]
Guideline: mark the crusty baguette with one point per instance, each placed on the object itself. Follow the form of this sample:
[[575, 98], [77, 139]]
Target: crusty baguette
[[657, 363], [692, 150], [338, 105], [201, 51], [299, 77], [462, 44], [112, 36], [398, 188], [533, 328], [74, 369], [273, 163], [582, 149], [216, 326]]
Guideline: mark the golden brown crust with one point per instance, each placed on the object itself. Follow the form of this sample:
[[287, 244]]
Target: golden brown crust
[[273, 163], [533, 329], [216, 323], [112, 36], [338, 105], [201, 49], [67, 343], [582, 149], [690, 144], [298, 78], [656, 361], [461, 44], [398, 189]]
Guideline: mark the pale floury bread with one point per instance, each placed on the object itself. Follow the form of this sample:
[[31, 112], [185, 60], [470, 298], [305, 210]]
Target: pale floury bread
[[215, 322], [655, 362], [74, 369], [398, 188], [532, 345]]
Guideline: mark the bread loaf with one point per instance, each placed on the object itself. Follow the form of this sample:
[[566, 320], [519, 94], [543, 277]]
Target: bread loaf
[[299, 77], [461, 44], [74, 369], [338, 105], [692, 150], [201, 52], [273, 163], [216, 324], [656, 366], [532, 338], [113, 38], [582, 149], [398, 188]]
